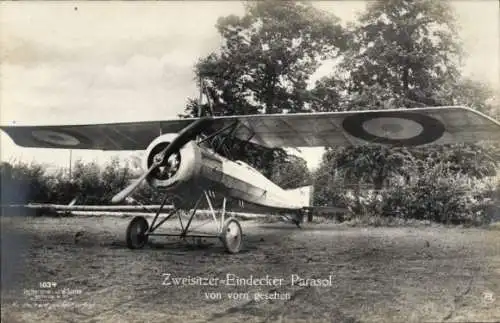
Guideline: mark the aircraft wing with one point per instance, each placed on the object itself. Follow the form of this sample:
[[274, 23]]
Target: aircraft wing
[[108, 136], [401, 127]]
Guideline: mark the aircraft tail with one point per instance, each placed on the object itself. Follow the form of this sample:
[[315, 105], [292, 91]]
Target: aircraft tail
[[303, 195]]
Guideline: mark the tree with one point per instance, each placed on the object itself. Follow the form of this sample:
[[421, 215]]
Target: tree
[[373, 165], [400, 55], [22, 182], [474, 94], [264, 65], [474, 161], [267, 57], [291, 172], [403, 54]]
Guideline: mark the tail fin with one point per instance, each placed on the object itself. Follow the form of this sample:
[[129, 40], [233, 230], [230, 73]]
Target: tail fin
[[303, 195]]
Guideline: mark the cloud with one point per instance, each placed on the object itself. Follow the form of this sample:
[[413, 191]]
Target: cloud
[[71, 92], [95, 62], [34, 33]]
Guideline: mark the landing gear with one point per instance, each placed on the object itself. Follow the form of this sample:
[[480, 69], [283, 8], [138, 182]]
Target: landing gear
[[136, 235], [228, 231], [296, 218], [231, 235]]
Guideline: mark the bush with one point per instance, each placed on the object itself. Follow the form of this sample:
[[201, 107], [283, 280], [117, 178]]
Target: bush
[[438, 194], [435, 196], [23, 183], [445, 184]]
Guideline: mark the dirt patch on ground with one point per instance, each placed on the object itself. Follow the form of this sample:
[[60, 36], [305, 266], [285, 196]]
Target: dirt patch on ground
[[340, 274]]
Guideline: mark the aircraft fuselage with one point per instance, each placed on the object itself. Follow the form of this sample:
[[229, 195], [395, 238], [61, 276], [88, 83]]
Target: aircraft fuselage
[[201, 169]]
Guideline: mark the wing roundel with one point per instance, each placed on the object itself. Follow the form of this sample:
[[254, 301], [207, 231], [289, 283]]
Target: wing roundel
[[394, 128], [59, 138]]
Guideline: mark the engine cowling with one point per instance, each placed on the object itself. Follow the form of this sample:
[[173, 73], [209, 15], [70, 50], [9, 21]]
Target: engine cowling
[[177, 170], [185, 173]]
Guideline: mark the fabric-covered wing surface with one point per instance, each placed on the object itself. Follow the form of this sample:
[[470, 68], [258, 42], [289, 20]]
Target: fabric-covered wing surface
[[406, 127], [112, 136]]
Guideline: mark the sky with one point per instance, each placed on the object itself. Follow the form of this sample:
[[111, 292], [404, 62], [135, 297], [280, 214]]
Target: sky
[[94, 62]]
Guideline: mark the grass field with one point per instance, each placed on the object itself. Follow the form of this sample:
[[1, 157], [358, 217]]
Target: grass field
[[412, 274]]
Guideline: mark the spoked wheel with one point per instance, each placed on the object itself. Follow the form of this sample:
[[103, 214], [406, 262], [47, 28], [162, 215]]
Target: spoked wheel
[[231, 235], [136, 233]]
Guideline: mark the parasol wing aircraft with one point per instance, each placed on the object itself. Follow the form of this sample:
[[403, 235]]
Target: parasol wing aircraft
[[184, 158]]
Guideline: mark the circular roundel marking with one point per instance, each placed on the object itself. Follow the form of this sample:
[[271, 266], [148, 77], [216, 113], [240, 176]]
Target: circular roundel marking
[[394, 128], [56, 138]]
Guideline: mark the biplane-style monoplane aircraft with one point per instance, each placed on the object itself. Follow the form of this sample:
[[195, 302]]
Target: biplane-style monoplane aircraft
[[183, 157]]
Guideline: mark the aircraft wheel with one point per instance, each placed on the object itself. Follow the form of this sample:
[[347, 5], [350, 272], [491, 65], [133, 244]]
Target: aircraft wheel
[[232, 235], [136, 233]]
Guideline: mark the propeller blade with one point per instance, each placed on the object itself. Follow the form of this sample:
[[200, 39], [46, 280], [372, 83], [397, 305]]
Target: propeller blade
[[120, 196], [189, 133], [185, 135]]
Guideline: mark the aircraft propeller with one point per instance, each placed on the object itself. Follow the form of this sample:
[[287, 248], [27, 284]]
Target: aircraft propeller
[[185, 135]]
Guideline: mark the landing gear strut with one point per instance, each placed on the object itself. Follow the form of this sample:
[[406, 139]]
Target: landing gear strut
[[228, 230]]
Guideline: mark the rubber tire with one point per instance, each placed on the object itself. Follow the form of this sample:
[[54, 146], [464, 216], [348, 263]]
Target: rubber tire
[[132, 235], [229, 245]]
